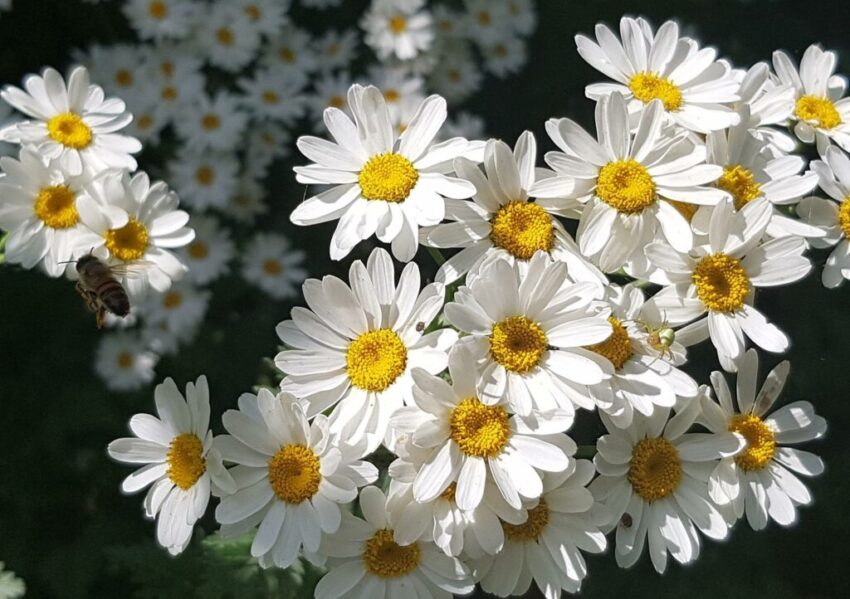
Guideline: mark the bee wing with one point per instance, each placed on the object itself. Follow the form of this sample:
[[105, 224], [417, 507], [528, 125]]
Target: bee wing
[[131, 270]]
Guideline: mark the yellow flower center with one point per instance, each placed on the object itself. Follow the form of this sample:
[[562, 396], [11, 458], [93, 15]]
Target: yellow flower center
[[172, 300], [272, 267], [625, 185], [224, 36], [253, 12], [287, 55], [818, 111], [375, 359], [70, 130], [185, 459], [618, 347], [721, 282], [56, 206], [294, 473], [648, 87], [449, 493], [522, 228], [125, 360], [532, 528], [484, 17], [655, 469], [844, 216], [198, 250], [129, 242], [685, 209], [480, 430], [385, 558], [388, 177], [739, 182], [518, 343], [158, 10], [169, 93], [144, 122], [270, 97], [398, 24], [205, 175], [336, 102], [391, 95], [167, 68], [124, 78], [210, 122], [761, 441]]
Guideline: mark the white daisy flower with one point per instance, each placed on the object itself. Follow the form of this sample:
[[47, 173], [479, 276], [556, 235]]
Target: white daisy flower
[[506, 56], [181, 464], [767, 103], [330, 91], [400, 28], [487, 22], [162, 340], [382, 183], [721, 277], [355, 348], [275, 94], [266, 142], [653, 481], [118, 67], [620, 179], [291, 477], [337, 49], [821, 113], [212, 123], [526, 329], [123, 362], [456, 76], [692, 86], [760, 481], [75, 125], [266, 16], [291, 49], [227, 36], [149, 119], [247, 202], [179, 310], [209, 254], [523, 17], [365, 561], [402, 91], [449, 24], [205, 180], [162, 19], [271, 264], [175, 80]]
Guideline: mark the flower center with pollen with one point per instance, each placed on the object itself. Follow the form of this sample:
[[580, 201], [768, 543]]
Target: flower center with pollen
[[618, 347], [761, 441], [722, 283], [198, 250], [648, 87], [158, 10], [388, 177], [518, 343], [479, 430], [185, 459], [375, 359], [739, 182], [655, 469], [294, 473], [532, 528], [129, 242], [844, 217], [385, 558], [626, 185], [522, 228], [398, 24], [57, 207], [70, 130], [683, 208], [818, 111]]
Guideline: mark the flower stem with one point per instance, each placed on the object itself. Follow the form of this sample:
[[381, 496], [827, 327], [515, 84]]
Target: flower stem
[[3, 238], [437, 256]]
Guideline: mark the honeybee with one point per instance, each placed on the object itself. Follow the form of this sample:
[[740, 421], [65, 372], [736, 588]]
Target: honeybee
[[100, 288]]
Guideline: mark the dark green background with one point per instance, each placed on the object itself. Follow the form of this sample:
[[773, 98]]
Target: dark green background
[[60, 505]]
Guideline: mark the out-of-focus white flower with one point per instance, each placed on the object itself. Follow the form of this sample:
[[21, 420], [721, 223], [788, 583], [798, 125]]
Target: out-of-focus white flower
[[266, 16], [247, 202], [209, 254], [204, 180], [400, 28], [456, 75], [271, 264], [337, 49], [275, 94], [180, 309], [486, 21], [505, 56], [212, 123], [163, 19], [123, 361], [119, 68], [330, 91], [292, 49], [227, 36]]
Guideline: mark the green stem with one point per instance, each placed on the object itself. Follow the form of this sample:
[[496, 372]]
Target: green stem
[[437, 256], [3, 239]]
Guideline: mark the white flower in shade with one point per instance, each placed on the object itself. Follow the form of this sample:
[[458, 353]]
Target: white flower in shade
[[161, 339], [292, 49], [162, 19], [271, 264], [523, 17], [75, 125], [206, 180], [291, 477], [653, 481], [487, 22], [526, 330], [502, 222], [330, 91], [212, 123], [506, 56], [365, 561], [247, 202], [355, 348], [721, 278], [135, 225], [123, 361], [398, 28], [821, 113], [179, 310], [209, 254], [766, 103], [546, 546], [148, 119], [692, 86], [266, 143], [472, 442], [760, 481], [455, 76], [337, 49], [623, 179], [831, 215], [118, 68], [227, 37], [175, 80], [181, 465], [266, 16], [402, 91], [384, 184], [275, 94], [449, 24]]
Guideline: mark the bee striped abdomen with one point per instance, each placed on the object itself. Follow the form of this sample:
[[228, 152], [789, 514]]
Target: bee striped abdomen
[[113, 296]]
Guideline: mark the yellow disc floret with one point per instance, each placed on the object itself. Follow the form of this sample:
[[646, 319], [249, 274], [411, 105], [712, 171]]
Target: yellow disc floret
[[741, 183], [618, 347], [129, 242], [626, 185], [388, 177], [844, 217], [522, 228], [721, 282], [385, 558], [198, 250], [655, 469], [518, 343], [398, 24], [449, 493], [761, 441], [648, 87], [294, 473], [56, 207], [683, 208], [818, 111], [479, 430], [376, 359], [185, 459], [532, 528], [70, 130]]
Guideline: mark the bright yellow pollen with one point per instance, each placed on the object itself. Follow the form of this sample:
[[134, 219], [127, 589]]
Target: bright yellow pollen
[[532, 528], [375, 359], [618, 347], [739, 182], [398, 24], [205, 175], [272, 267], [270, 97], [449, 493], [70, 130], [224, 36], [721, 282], [124, 78], [385, 558], [761, 441], [388, 177], [625, 185], [287, 55], [655, 469], [518, 343], [685, 209], [125, 360], [185, 459], [56, 207], [129, 242], [158, 10], [648, 87], [818, 111], [522, 228], [479, 430], [198, 250], [172, 300], [294, 473], [210, 122], [844, 216]]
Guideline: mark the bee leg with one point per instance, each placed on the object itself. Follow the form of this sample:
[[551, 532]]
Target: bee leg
[[100, 317]]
